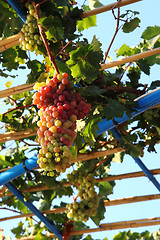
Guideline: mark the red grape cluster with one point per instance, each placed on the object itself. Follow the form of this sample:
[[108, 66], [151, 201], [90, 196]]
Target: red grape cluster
[[60, 107], [86, 207]]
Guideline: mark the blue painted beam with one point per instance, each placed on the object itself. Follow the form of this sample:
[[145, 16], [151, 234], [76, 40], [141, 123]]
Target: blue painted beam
[[22, 12], [38, 213], [146, 171], [18, 170], [145, 102]]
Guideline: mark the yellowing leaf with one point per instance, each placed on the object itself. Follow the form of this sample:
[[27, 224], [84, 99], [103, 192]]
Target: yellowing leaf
[[9, 83]]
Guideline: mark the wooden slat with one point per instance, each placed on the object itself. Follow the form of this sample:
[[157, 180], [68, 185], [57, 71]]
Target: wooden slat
[[9, 42], [132, 58], [107, 203], [108, 7], [105, 179], [110, 226]]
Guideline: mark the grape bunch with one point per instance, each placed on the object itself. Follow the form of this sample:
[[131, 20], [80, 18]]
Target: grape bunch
[[29, 35], [86, 207], [59, 108]]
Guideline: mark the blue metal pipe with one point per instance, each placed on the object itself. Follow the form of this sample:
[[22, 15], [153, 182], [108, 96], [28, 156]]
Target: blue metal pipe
[[18, 170], [146, 171], [20, 11], [38, 213]]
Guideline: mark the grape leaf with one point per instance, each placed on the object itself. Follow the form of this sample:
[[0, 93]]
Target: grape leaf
[[144, 66], [100, 212], [113, 109], [87, 22], [151, 32], [131, 25], [106, 188]]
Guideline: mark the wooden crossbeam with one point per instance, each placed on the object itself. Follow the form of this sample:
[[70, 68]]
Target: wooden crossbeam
[[110, 226], [133, 58], [108, 7], [107, 203], [105, 179]]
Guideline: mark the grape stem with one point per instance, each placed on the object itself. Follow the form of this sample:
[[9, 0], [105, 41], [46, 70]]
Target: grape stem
[[43, 35], [99, 163], [30, 105]]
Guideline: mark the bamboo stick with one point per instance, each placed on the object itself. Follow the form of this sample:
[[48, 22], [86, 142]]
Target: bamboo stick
[[108, 7], [107, 203], [132, 58], [110, 226], [105, 179]]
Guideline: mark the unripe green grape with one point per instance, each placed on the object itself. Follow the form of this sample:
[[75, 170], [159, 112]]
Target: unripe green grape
[[30, 18], [31, 42], [32, 11], [28, 46], [39, 42], [31, 30]]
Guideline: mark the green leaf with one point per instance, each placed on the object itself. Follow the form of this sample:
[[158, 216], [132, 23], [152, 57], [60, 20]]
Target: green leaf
[[131, 25], [96, 44], [106, 188], [154, 84], [100, 212], [123, 50], [36, 70], [113, 109], [151, 32], [18, 231], [84, 63], [87, 22], [144, 66]]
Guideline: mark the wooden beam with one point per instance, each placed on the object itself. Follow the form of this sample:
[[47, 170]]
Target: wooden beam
[[110, 226], [9, 42], [107, 203], [108, 7], [105, 179], [132, 58]]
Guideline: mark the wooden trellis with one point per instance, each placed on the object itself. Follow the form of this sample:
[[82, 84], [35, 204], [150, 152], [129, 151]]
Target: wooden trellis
[[13, 41]]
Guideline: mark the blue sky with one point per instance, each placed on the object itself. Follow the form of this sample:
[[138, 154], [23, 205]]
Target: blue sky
[[149, 15]]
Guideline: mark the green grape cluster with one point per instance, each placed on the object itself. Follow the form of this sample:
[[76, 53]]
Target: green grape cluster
[[86, 207], [29, 35]]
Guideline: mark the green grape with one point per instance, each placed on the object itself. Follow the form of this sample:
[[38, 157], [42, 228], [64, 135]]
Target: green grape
[[88, 203]]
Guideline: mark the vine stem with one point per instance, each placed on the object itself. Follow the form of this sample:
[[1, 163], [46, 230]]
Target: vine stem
[[99, 163], [16, 108], [43, 35], [114, 36]]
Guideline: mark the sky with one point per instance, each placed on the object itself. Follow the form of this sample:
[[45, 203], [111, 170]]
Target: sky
[[149, 15]]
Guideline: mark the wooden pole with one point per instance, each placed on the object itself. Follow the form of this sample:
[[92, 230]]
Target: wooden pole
[[108, 7], [110, 226], [132, 58], [107, 203]]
